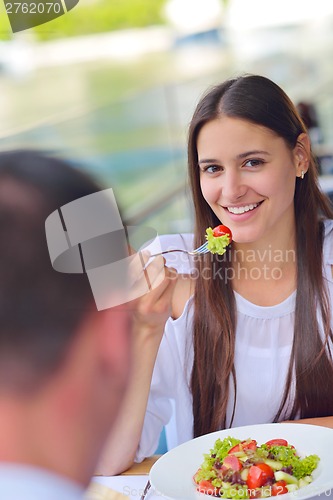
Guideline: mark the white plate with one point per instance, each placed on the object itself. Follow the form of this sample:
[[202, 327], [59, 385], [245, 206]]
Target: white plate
[[171, 476]]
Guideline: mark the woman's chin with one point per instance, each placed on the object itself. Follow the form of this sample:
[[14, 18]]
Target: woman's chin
[[242, 238]]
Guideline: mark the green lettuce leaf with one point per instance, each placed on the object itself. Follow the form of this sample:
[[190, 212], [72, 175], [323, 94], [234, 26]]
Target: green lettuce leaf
[[216, 244]]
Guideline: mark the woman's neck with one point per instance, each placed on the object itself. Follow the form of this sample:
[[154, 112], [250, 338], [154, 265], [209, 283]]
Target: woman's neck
[[276, 249], [264, 272]]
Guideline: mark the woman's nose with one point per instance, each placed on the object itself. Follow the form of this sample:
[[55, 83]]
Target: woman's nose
[[233, 186]]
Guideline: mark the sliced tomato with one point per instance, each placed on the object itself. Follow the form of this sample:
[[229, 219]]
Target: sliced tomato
[[267, 471], [277, 442], [206, 487], [244, 445], [249, 445], [221, 230], [258, 475], [254, 477], [235, 449], [231, 462], [279, 488]]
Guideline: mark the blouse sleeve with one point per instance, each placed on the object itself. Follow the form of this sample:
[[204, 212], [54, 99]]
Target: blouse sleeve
[[169, 376], [159, 407]]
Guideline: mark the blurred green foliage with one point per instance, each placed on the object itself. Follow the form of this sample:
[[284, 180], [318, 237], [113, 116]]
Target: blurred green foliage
[[98, 16], [94, 16]]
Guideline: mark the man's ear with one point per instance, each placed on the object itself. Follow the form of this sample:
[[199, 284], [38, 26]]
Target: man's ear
[[302, 154]]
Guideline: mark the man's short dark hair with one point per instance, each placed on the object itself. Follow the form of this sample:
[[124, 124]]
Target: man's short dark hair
[[40, 309]]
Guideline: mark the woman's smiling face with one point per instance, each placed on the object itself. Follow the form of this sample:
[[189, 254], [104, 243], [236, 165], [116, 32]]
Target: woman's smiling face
[[247, 176]]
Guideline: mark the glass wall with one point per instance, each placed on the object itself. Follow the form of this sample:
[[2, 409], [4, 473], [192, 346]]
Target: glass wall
[[118, 104]]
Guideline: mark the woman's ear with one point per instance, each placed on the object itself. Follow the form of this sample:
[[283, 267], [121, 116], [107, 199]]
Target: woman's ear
[[302, 154]]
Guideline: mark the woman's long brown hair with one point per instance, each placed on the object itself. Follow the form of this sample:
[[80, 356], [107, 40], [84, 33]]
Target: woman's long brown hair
[[259, 100]]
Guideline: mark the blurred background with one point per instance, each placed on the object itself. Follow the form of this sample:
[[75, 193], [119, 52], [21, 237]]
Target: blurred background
[[112, 86]]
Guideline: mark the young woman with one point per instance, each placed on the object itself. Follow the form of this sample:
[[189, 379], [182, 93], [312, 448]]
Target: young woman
[[249, 339]]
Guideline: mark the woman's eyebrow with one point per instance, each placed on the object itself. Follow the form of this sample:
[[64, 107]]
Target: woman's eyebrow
[[254, 152], [208, 160], [238, 157]]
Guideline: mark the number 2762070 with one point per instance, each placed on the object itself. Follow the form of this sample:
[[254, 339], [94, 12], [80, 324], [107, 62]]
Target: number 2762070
[[32, 8]]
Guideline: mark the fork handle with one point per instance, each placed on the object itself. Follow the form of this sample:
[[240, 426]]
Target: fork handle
[[145, 491], [170, 251]]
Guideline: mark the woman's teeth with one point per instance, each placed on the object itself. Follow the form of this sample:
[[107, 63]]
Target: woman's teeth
[[242, 210]]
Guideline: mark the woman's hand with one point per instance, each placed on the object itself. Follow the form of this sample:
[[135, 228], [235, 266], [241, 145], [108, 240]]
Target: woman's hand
[[152, 290], [154, 287]]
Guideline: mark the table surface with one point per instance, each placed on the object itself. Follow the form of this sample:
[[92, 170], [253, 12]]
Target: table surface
[[131, 484], [143, 468]]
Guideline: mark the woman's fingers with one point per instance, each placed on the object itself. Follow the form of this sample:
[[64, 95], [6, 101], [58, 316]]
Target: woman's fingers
[[154, 270], [145, 273], [159, 298], [152, 289]]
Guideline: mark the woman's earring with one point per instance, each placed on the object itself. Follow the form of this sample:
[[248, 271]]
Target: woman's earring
[[302, 174]]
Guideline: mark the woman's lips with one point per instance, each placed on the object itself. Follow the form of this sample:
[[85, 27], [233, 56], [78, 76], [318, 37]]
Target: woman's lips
[[242, 212], [243, 209]]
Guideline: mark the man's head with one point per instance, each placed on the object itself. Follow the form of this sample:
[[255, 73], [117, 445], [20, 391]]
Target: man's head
[[52, 339]]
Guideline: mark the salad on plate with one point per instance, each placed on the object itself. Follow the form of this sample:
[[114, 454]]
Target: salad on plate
[[243, 469]]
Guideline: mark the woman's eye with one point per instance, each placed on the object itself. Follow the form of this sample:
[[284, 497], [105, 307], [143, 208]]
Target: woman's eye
[[212, 169], [253, 163]]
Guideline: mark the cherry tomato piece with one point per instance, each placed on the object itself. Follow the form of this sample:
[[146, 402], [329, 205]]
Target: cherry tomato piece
[[277, 442], [206, 487], [244, 445], [235, 449], [252, 445], [221, 230], [232, 462], [267, 471], [254, 477], [279, 488], [258, 475]]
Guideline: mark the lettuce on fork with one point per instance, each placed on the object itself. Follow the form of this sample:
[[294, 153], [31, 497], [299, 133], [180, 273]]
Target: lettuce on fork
[[217, 244]]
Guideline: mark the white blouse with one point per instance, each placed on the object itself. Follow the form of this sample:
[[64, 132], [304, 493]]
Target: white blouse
[[263, 345]]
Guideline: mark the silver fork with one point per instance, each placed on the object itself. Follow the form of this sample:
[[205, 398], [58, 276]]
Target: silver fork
[[197, 251], [145, 491]]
